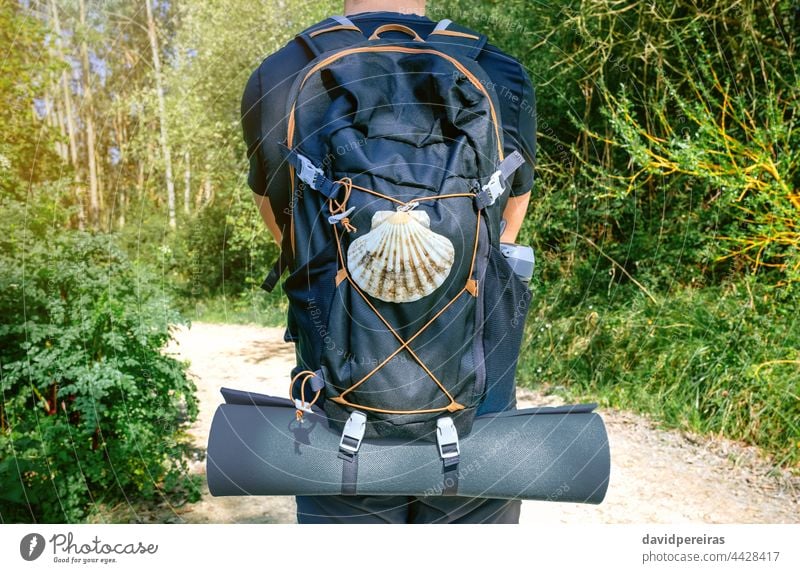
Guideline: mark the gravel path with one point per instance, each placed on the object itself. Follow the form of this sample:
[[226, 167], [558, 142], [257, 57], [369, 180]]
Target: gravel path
[[657, 476]]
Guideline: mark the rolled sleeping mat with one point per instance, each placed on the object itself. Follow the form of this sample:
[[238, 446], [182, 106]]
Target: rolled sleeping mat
[[257, 446]]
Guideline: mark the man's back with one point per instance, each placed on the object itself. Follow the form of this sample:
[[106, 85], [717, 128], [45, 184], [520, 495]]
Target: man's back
[[265, 123]]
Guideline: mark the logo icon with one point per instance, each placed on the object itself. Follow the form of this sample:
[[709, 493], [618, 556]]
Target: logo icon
[[31, 546]]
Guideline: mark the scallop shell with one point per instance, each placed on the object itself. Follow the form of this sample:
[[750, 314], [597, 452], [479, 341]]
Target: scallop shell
[[400, 259]]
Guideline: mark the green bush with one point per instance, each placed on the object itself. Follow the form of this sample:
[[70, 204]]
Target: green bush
[[225, 249], [665, 212], [92, 412], [720, 360]]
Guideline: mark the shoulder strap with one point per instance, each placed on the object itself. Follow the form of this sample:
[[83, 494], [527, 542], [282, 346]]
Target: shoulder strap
[[457, 40], [334, 33]]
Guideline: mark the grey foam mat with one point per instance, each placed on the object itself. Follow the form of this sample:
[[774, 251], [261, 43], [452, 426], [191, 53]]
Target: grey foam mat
[[257, 447]]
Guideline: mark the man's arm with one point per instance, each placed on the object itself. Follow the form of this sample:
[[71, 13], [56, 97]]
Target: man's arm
[[269, 217], [514, 213], [525, 142], [251, 128]]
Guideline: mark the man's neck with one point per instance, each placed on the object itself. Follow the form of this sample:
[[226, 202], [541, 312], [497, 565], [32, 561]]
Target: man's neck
[[400, 6]]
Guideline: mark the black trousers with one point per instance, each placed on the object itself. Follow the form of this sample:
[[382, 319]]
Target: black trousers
[[402, 509]]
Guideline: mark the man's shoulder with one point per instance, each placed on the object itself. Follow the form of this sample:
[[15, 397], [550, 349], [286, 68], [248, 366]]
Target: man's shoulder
[[293, 57], [282, 63]]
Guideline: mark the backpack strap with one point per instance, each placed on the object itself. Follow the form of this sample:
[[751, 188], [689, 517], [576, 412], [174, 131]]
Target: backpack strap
[[330, 35], [458, 40], [349, 444], [276, 272], [497, 183]]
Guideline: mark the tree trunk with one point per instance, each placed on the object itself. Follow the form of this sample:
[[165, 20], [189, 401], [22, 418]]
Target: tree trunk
[[162, 113], [88, 118], [140, 179], [123, 204], [120, 141], [55, 122], [63, 148], [69, 117], [187, 180], [101, 207], [208, 191]]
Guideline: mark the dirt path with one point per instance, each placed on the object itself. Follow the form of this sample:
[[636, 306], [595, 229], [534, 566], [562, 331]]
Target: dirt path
[[657, 476]]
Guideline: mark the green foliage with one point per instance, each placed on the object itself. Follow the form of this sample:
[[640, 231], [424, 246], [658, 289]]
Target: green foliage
[[92, 412], [665, 210], [224, 250], [25, 68], [720, 360], [734, 165]]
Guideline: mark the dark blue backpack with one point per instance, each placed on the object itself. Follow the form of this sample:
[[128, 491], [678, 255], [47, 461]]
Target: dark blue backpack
[[401, 304]]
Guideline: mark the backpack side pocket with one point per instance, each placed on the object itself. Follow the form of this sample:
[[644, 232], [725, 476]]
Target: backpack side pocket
[[310, 290], [506, 302]]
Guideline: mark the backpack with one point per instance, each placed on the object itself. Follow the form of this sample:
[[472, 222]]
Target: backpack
[[401, 304]]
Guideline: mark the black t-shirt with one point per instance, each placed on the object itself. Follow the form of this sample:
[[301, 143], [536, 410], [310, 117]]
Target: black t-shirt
[[274, 77]]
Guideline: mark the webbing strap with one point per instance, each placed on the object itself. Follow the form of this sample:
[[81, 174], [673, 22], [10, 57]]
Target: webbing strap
[[442, 25], [335, 33], [278, 268], [496, 185], [451, 37], [317, 382], [343, 20], [349, 474], [309, 173], [510, 164], [349, 445], [450, 480]]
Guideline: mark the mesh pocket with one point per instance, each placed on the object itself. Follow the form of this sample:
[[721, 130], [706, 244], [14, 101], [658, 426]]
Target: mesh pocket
[[506, 302], [310, 291]]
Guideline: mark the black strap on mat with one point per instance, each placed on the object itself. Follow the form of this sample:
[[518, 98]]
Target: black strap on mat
[[349, 473], [450, 478]]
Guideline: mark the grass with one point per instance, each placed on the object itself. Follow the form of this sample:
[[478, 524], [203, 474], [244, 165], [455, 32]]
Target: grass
[[724, 360], [257, 308]]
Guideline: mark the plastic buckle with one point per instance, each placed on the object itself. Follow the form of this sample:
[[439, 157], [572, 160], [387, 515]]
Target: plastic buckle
[[408, 206], [353, 433], [304, 406], [308, 171], [333, 219], [494, 188], [447, 440]]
